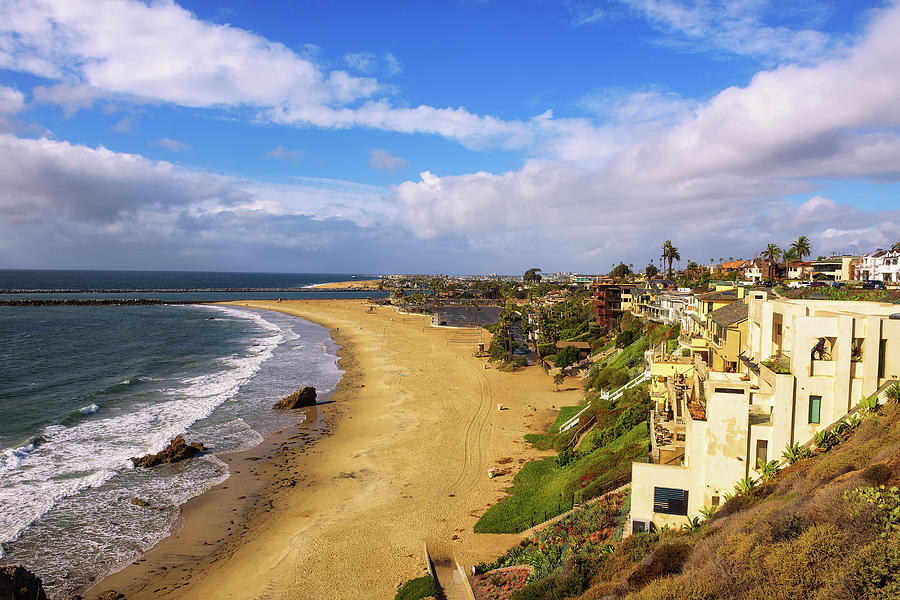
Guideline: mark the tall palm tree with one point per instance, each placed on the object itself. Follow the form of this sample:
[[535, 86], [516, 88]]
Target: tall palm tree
[[771, 254], [670, 253], [801, 247], [896, 247]]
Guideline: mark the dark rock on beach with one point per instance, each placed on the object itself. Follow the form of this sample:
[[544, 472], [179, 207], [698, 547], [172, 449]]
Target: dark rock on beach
[[303, 397], [18, 583], [177, 450], [111, 595], [139, 502]]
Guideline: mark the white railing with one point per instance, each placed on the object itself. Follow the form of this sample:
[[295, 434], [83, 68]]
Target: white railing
[[614, 396]]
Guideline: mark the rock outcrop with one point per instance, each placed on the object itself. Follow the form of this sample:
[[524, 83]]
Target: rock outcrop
[[18, 583], [177, 450], [303, 397]]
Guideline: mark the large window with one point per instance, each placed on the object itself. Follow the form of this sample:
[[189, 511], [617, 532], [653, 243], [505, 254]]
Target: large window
[[670, 501], [815, 409]]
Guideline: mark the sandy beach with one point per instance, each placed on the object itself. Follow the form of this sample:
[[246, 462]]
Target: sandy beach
[[356, 284], [399, 457]]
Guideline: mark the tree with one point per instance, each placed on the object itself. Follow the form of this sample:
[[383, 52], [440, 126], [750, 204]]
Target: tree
[[651, 271], [532, 276], [896, 247], [801, 247], [670, 253], [558, 379], [620, 271], [771, 254]]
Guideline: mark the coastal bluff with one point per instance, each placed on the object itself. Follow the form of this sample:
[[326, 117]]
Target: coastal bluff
[[177, 450], [305, 396]]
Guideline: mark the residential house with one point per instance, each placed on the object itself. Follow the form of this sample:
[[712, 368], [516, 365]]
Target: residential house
[[732, 266], [758, 270], [733, 422], [727, 332], [607, 300], [881, 265], [836, 268], [799, 270]]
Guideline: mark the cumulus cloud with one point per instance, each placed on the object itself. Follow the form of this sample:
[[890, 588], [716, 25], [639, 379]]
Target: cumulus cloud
[[71, 205], [160, 52], [173, 145], [711, 174], [382, 160], [392, 65], [11, 100]]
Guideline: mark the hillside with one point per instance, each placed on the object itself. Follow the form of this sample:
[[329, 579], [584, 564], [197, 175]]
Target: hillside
[[825, 527]]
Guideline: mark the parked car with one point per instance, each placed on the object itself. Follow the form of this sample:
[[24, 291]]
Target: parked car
[[873, 284], [837, 284], [817, 284]]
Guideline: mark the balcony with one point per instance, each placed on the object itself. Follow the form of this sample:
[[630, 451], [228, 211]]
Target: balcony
[[822, 368]]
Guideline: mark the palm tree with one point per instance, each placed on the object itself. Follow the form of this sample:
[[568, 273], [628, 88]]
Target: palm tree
[[801, 247], [896, 247], [670, 253], [771, 254]]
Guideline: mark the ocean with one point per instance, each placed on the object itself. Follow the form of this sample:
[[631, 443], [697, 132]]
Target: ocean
[[84, 388]]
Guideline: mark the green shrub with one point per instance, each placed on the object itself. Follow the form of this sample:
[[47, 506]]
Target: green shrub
[[555, 587], [416, 589], [874, 572], [565, 357]]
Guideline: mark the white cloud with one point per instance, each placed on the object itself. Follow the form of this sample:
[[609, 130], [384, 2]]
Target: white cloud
[[162, 53], [71, 97], [707, 175], [282, 153], [11, 100], [173, 145], [360, 61], [382, 160], [70, 205], [125, 125], [734, 27], [392, 65]]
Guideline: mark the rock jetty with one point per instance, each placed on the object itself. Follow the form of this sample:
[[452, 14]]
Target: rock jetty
[[305, 396], [18, 583], [177, 450]]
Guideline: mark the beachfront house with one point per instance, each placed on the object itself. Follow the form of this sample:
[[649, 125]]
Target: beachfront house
[[804, 365]]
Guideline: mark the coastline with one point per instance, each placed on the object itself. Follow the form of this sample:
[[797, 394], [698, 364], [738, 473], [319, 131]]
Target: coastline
[[401, 458]]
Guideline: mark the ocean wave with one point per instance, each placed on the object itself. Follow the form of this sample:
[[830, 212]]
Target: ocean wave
[[89, 410], [90, 452]]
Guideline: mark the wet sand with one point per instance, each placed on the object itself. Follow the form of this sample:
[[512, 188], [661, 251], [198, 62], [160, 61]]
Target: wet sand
[[402, 459]]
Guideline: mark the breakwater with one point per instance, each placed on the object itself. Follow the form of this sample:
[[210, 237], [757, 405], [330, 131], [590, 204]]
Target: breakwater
[[94, 302], [239, 290]]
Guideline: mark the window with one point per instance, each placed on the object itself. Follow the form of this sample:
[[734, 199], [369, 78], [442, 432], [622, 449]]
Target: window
[[882, 353], [762, 452], [778, 329], [719, 390], [715, 500], [815, 408], [670, 501]]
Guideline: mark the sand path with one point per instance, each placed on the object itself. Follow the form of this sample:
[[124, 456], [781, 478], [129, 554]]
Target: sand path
[[407, 463]]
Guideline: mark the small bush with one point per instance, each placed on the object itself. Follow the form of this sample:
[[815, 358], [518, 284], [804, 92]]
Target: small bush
[[555, 587], [666, 559], [878, 474], [416, 589]]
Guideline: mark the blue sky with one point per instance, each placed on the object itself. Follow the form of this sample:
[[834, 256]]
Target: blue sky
[[469, 136]]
